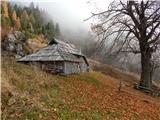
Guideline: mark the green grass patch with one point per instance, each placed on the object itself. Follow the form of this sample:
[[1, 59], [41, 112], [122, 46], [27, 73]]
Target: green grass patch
[[111, 115], [89, 79]]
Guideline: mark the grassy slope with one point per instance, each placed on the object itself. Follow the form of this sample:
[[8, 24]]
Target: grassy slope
[[93, 95], [114, 72]]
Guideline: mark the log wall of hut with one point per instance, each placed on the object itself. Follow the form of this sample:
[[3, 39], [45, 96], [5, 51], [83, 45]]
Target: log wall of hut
[[50, 66], [61, 67], [71, 67], [75, 67], [53, 67]]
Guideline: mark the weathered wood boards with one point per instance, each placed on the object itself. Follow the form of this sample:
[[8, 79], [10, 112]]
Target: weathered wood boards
[[59, 58]]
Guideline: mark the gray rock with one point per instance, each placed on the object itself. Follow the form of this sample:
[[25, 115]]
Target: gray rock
[[20, 36], [11, 38], [13, 43], [19, 50], [9, 42]]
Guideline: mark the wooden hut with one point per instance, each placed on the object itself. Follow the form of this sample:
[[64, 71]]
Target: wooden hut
[[58, 57]]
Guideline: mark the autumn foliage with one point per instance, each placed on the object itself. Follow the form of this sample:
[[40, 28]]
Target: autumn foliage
[[14, 16], [5, 9], [5, 20], [29, 20], [18, 24], [16, 20], [88, 96]]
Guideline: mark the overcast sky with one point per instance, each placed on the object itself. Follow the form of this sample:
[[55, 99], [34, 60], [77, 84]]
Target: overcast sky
[[69, 13]]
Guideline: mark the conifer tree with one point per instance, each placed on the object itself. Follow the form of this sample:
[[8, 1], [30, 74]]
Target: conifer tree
[[18, 23], [14, 16], [57, 30], [5, 9]]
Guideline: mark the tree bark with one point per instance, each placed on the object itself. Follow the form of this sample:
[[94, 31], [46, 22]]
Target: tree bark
[[145, 80]]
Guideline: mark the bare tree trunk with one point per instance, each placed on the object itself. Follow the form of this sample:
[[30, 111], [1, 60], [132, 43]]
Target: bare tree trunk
[[140, 25], [145, 80], [152, 71]]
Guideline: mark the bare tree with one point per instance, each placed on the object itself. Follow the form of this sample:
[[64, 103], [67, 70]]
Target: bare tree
[[155, 62], [135, 27]]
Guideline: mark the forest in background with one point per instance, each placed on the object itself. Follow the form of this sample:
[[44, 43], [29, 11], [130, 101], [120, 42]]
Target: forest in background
[[30, 20]]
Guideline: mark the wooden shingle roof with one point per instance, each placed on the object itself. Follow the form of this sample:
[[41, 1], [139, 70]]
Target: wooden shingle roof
[[57, 51]]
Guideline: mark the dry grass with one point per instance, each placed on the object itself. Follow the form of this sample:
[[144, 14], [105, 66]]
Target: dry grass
[[127, 77], [43, 96], [5, 88], [37, 43]]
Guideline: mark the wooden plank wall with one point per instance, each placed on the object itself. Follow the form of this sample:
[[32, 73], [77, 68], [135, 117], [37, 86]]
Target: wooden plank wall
[[53, 67], [62, 67]]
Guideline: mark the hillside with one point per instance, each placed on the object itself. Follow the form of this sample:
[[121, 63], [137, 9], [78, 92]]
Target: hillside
[[116, 73], [128, 79], [29, 93]]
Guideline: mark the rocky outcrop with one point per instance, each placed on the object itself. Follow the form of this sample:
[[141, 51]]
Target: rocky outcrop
[[14, 42]]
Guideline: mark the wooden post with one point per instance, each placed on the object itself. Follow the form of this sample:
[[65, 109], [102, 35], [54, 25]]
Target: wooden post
[[120, 85]]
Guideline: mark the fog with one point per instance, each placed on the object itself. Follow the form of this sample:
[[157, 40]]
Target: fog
[[70, 15]]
